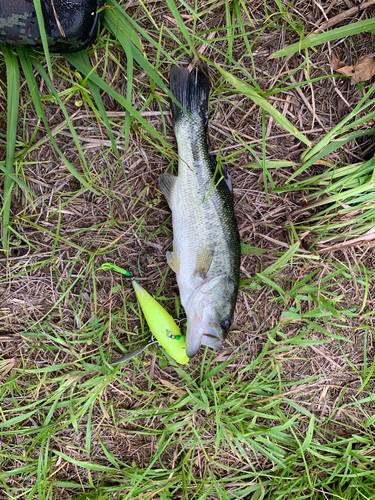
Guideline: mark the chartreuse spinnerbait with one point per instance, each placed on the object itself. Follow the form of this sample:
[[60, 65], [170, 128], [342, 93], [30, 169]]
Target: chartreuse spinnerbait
[[161, 323]]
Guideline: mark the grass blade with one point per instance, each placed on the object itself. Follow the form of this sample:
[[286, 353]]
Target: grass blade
[[282, 260], [127, 46], [44, 75], [331, 146], [42, 29], [314, 40], [252, 94], [87, 70], [121, 26], [173, 8], [24, 55], [133, 50], [99, 102], [13, 86]]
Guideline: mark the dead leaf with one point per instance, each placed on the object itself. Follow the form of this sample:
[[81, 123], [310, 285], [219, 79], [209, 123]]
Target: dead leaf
[[7, 365], [173, 388], [364, 69], [224, 356]]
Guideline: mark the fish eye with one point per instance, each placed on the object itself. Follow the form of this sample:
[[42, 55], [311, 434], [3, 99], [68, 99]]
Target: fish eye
[[225, 323]]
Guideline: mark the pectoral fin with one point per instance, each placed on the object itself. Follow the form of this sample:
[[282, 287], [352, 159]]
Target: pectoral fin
[[204, 261], [173, 259], [166, 184]]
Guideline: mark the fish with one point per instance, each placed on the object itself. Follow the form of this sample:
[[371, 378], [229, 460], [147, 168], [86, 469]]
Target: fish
[[206, 243]]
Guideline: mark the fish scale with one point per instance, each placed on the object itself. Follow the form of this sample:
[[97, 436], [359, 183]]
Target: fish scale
[[196, 211]]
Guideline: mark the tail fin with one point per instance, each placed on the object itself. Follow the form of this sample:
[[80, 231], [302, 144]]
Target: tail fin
[[191, 90]]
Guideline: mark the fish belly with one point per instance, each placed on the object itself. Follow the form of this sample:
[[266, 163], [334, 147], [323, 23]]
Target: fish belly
[[188, 231], [197, 230]]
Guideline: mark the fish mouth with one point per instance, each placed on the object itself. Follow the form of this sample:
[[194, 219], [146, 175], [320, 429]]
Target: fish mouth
[[198, 336]]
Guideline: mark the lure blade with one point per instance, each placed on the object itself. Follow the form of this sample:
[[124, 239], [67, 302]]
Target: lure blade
[[162, 325]]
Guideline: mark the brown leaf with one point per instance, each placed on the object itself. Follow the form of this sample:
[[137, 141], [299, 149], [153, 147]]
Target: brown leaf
[[7, 365], [173, 388], [364, 69]]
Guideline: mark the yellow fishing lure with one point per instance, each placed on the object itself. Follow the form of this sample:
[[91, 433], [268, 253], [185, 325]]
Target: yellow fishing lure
[[161, 323]]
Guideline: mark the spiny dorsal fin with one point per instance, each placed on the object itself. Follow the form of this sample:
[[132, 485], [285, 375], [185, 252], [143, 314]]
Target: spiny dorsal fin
[[225, 172], [227, 178], [166, 184]]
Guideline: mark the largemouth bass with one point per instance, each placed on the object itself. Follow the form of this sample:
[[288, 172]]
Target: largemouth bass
[[206, 244]]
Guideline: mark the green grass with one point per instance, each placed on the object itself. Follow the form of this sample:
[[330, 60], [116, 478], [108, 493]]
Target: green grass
[[287, 410], [13, 84], [251, 418]]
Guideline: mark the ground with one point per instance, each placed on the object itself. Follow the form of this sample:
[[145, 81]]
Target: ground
[[286, 408]]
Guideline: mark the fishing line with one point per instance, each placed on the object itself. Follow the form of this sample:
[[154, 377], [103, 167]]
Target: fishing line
[[165, 331]]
